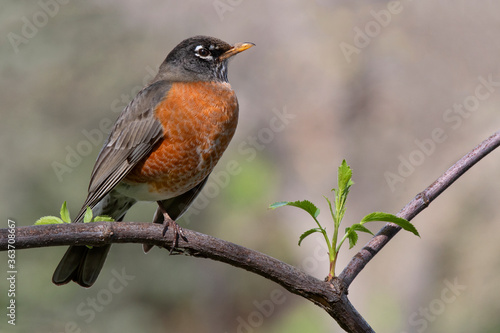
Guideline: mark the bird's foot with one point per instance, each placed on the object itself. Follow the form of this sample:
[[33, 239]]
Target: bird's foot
[[177, 230]]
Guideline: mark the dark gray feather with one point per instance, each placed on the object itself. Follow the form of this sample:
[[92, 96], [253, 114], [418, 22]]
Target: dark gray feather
[[135, 134]]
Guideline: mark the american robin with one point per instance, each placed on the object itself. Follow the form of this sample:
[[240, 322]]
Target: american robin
[[162, 148]]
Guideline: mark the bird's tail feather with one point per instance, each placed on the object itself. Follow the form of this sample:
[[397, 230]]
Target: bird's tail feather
[[81, 264]]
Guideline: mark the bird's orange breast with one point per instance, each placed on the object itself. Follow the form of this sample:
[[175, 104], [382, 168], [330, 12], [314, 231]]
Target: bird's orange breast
[[199, 120]]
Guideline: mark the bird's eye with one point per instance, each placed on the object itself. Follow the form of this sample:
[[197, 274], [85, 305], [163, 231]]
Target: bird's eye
[[203, 52]]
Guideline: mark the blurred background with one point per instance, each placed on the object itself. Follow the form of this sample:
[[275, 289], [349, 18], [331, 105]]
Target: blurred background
[[401, 90]]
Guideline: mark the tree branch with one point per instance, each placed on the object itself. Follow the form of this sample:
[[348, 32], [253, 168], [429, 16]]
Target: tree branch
[[331, 296], [415, 206]]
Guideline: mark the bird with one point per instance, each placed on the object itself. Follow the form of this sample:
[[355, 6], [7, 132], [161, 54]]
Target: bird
[[162, 147]]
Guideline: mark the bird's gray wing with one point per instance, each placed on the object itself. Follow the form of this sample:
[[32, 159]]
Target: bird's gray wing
[[134, 135]]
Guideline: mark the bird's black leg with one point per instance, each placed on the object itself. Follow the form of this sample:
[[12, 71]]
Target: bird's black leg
[[177, 230]]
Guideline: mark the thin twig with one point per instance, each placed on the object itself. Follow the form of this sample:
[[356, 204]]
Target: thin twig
[[415, 206]]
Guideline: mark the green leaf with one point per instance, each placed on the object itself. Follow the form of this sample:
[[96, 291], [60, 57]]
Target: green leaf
[[344, 177], [329, 204], [386, 217], [278, 204], [307, 233], [304, 204], [353, 237], [88, 215], [334, 216], [49, 220], [65, 213], [344, 184], [360, 227], [103, 218]]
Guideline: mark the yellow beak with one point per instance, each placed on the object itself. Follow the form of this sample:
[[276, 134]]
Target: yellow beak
[[237, 48]]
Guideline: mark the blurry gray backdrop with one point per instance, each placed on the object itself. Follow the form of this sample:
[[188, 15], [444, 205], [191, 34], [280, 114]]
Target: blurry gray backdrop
[[401, 90]]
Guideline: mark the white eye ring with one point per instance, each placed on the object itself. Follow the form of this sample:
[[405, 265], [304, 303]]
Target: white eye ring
[[203, 52]]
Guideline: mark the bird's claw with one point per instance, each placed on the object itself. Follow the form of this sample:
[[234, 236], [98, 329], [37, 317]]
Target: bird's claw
[[177, 230]]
